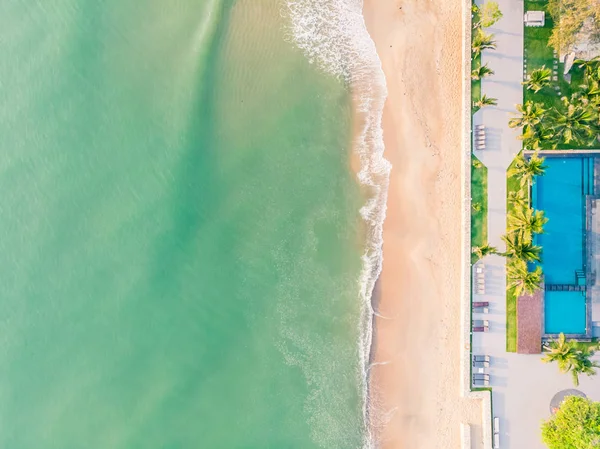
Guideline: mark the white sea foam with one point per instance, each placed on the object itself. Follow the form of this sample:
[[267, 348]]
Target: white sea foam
[[333, 35]]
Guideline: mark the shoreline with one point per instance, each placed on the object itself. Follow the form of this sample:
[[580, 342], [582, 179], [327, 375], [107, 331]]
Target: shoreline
[[416, 386]]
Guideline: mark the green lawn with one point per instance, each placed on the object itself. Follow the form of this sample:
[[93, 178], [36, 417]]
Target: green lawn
[[537, 53], [475, 85], [478, 196], [512, 185]]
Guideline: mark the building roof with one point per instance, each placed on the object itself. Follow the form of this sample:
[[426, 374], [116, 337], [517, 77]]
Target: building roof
[[529, 323]]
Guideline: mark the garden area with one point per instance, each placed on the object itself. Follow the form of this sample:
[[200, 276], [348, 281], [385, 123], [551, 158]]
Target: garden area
[[558, 111], [479, 195], [483, 16], [522, 223]]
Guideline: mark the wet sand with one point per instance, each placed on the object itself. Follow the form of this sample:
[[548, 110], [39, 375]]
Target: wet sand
[[415, 391]]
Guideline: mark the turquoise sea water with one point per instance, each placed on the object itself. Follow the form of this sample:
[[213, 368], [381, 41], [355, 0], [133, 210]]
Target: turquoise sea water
[[180, 236]]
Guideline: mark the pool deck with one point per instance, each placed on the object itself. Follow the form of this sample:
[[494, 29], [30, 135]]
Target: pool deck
[[530, 321]]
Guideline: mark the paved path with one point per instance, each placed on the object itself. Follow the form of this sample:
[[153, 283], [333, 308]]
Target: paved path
[[501, 147], [505, 85]]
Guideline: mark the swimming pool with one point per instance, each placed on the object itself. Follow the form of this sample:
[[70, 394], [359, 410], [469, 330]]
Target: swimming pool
[[561, 193], [564, 312]]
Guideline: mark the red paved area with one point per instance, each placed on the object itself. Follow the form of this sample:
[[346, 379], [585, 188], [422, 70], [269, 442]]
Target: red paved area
[[529, 323]]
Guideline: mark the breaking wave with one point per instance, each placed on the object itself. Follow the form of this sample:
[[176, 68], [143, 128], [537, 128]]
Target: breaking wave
[[333, 35]]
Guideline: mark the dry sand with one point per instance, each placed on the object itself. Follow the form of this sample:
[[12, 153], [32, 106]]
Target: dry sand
[[416, 394]]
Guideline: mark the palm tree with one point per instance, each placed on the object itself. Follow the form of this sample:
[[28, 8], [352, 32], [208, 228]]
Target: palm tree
[[484, 250], [517, 248], [527, 170], [590, 90], [521, 279], [482, 41], [561, 351], [583, 365], [531, 115], [534, 136], [591, 67], [518, 198], [481, 71], [486, 101], [574, 122], [526, 222], [538, 79]]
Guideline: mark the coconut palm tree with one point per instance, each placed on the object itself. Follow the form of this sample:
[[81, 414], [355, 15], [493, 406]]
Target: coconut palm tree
[[518, 198], [531, 115], [486, 101], [521, 279], [583, 365], [517, 248], [534, 136], [538, 79], [590, 91], [591, 67], [481, 71], [527, 170], [526, 221], [484, 250], [576, 121], [561, 351], [482, 41]]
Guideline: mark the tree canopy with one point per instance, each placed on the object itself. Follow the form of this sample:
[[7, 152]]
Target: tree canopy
[[489, 13], [572, 17], [571, 357], [576, 425]]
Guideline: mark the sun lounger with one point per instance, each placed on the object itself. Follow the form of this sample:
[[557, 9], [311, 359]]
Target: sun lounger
[[481, 358], [481, 376], [481, 383], [481, 364], [481, 310], [479, 269], [481, 304], [496, 441], [496, 424], [480, 290], [481, 329]]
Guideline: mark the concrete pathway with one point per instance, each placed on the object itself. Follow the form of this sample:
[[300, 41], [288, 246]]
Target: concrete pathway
[[502, 144]]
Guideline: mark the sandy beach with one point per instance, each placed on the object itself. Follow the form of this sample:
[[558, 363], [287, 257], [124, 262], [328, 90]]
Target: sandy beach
[[415, 391]]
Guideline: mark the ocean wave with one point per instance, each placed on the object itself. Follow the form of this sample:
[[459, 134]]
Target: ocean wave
[[333, 35]]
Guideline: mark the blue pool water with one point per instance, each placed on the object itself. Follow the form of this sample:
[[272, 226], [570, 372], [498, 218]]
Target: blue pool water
[[560, 193], [564, 312]]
